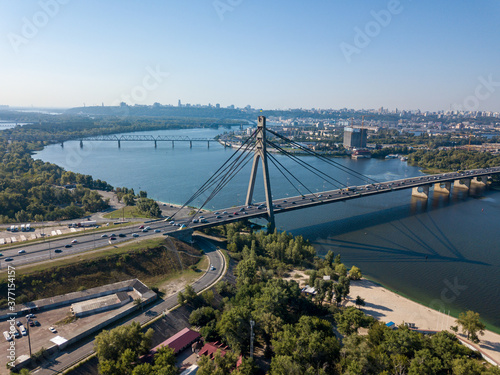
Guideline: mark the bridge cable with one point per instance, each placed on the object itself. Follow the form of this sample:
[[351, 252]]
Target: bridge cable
[[220, 171], [345, 169], [309, 167], [224, 181], [275, 162]]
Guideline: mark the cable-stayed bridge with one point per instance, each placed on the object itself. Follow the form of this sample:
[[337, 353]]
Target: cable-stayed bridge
[[255, 149]]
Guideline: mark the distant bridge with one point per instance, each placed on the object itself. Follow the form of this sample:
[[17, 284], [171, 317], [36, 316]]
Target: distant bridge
[[145, 138]]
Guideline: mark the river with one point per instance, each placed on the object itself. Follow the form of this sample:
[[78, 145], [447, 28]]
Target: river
[[444, 253]]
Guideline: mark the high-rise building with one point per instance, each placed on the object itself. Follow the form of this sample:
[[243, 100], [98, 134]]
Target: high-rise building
[[354, 137]]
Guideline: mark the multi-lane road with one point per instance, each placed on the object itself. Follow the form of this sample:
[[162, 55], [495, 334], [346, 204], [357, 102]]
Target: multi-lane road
[[85, 242]]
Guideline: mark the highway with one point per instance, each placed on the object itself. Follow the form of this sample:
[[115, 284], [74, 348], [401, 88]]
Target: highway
[[74, 354], [52, 248]]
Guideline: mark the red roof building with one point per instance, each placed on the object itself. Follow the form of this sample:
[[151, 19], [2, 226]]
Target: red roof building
[[210, 348]]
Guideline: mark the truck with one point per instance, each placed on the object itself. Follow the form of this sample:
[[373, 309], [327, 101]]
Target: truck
[[23, 228], [28, 227], [88, 223]]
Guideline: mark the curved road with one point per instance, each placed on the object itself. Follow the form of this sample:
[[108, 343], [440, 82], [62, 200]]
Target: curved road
[[71, 356]]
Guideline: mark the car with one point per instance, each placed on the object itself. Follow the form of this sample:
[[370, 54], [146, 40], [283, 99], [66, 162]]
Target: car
[[7, 336], [31, 323], [112, 238], [157, 230], [16, 334], [9, 259], [249, 207], [74, 241], [52, 329], [216, 213], [212, 268], [29, 316], [122, 235], [229, 215], [148, 228], [22, 251], [235, 213], [225, 212], [37, 323], [145, 230], [218, 217], [113, 235], [284, 201], [204, 220], [135, 235], [195, 221], [104, 235], [242, 209], [57, 251], [1, 255], [141, 227], [172, 222], [68, 246]]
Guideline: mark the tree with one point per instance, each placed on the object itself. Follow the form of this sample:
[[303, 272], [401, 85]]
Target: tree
[[349, 320], [360, 301], [355, 273], [117, 348], [471, 325]]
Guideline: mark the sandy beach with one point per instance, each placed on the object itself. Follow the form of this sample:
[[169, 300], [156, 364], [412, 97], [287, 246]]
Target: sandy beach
[[388, 306]]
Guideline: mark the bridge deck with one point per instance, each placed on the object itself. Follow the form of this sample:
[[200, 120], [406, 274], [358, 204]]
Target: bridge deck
[[326, 197]]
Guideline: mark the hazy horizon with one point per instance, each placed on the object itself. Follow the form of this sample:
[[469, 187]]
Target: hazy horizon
[[393, 54]]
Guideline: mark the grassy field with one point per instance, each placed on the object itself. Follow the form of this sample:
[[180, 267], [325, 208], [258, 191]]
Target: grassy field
[[127, 212]]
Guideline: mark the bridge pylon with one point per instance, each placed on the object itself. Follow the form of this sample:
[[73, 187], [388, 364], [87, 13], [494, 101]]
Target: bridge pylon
[[261, 154]]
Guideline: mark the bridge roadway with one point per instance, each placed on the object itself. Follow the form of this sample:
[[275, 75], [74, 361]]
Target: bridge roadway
[[42, 251]]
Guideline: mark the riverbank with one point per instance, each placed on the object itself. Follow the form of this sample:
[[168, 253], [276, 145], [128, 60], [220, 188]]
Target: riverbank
[[388, 306]]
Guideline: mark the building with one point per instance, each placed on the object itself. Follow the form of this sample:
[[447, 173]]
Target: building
[[354, 137]]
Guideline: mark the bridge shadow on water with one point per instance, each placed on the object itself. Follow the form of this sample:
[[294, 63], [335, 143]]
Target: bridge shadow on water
[[409, 234]]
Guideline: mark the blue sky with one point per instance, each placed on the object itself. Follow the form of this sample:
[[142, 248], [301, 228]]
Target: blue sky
[[280, 54]]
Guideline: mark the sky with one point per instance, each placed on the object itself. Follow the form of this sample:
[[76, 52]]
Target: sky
[[360, 54]]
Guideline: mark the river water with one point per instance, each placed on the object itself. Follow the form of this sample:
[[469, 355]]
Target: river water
[[444, 253]]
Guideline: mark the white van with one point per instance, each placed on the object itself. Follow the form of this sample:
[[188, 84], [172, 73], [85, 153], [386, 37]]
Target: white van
[[23, 330]]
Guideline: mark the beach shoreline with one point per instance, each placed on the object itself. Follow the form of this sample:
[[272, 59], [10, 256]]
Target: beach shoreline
[[388, 306]]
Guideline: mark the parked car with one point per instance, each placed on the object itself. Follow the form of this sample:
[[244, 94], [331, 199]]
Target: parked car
[[52, 329]]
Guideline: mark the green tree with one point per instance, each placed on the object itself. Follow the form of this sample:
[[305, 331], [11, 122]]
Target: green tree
[[355, 273], [471, 325], [111, 347]]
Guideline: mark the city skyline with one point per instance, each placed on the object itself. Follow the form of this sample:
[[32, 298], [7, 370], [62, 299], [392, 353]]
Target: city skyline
[[392, 54]]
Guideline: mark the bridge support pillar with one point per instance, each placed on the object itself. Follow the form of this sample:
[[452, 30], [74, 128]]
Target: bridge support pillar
[[190, 144], [479, 180], [462, 184], [446, 189], [119, 145], [261, 154], [172, 144], [208, 144], [81, 143], [420, 194], [62, 144], [155, 143], [185, 235]]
